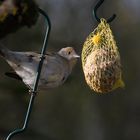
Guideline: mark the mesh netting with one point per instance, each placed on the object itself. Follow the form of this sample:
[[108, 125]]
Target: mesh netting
[[101, 60]]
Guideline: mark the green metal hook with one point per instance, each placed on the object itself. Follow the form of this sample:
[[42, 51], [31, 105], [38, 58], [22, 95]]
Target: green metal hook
[[30, 105], [95, 12]]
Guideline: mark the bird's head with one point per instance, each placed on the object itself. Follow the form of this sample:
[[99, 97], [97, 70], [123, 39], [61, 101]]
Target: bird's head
[[68, 53]]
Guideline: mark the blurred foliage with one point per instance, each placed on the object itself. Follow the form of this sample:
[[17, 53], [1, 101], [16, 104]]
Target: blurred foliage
[[73, 111], [15, 14]]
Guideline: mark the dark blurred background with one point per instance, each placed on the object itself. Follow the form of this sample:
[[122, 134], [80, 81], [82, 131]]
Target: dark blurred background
[[73, 111]]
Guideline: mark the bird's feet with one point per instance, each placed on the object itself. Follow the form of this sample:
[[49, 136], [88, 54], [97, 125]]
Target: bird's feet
[[31, 92]]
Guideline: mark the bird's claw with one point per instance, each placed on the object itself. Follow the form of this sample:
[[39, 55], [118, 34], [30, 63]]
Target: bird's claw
[[31, 92]]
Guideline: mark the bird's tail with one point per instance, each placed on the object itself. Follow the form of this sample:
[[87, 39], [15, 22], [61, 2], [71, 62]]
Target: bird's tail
[[3, 51]]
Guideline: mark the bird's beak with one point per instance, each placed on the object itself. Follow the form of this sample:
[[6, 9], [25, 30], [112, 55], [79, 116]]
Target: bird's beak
[[76, 56]]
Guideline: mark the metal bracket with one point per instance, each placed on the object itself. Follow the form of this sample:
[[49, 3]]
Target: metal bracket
[[30, 105]]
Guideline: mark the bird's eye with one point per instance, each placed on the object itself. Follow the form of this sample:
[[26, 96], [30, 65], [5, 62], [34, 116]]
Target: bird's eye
[[69, 52]]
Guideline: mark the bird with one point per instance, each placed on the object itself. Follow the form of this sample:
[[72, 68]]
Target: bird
[[56, 68]]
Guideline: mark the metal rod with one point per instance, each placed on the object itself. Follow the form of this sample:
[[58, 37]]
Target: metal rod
[[100, 2], [30, 105]]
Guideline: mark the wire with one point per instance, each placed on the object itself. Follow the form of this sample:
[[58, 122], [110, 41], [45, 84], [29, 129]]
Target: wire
[[100, 2], [34, 91]]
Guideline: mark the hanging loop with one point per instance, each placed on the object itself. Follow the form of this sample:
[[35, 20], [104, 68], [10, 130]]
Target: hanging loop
[[95, 12], [30, 105]]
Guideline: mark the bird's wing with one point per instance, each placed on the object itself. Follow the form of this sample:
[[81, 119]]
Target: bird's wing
[[27, 57], [13, 74], [55, 69]]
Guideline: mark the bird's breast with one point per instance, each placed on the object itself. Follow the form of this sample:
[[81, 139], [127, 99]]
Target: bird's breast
[[54, 73]]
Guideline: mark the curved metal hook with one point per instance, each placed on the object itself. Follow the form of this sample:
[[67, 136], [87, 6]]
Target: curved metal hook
[[95, 12], [30, 105]]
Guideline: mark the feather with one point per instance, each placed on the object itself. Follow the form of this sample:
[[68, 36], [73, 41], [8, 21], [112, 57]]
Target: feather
[[13, 75], [3, 50]]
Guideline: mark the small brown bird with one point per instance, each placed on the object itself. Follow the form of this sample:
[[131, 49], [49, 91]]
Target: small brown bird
[[56, 67]]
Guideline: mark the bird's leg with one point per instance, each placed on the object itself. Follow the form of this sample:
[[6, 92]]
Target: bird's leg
[[31, 92]]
